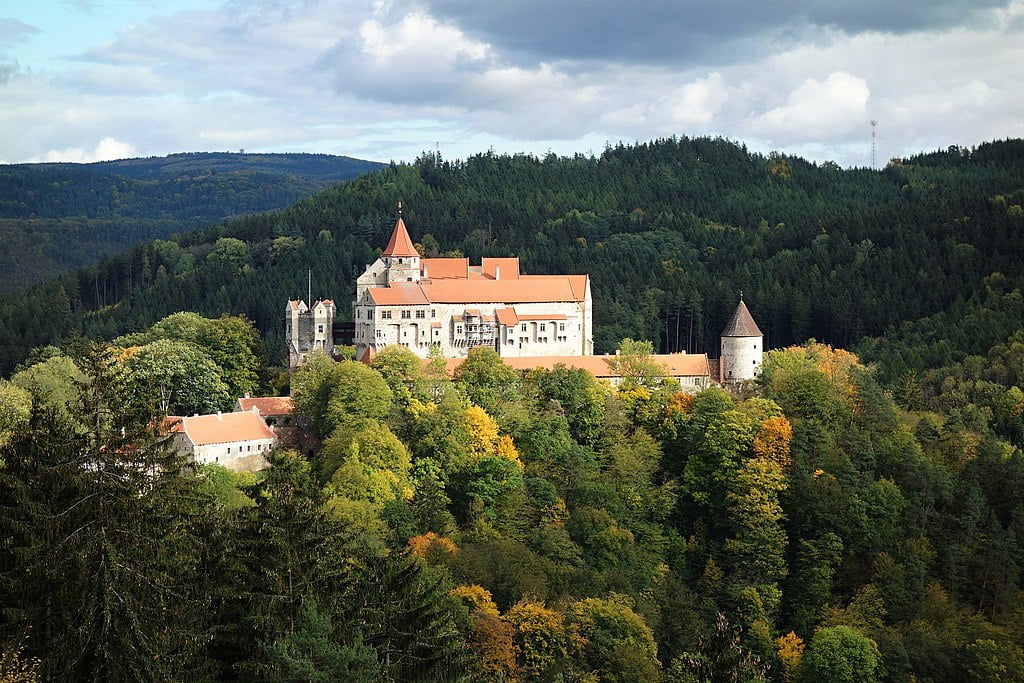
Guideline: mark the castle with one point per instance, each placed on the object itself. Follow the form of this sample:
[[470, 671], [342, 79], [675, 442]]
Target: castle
[[445, 303]]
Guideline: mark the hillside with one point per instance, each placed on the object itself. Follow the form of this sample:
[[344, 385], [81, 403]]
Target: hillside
[[669, 231], [58, 217]]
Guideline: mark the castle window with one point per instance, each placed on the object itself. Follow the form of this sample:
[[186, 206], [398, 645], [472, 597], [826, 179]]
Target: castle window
[[523, 327], [542, 327], [406, 315], [420, 315], [386, 315], [433, 312], [561, 327], [458, 329], [320, 329]]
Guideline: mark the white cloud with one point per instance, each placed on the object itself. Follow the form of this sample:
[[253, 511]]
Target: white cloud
[[106, 149], [817, 111]]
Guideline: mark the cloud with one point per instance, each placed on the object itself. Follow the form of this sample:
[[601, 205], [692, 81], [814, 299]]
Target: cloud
[[700, 32], [106, 149], [387, 79], [816, 111], [14, 30]]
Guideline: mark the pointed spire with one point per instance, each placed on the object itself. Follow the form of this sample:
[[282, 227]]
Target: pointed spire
[[742, 323], [400, 243]]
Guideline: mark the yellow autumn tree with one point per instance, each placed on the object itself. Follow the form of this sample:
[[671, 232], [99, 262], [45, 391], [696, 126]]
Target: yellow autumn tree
[[483, 431], [433, 548], [773, 439], [544, 642], [791, 652], [477, 599]]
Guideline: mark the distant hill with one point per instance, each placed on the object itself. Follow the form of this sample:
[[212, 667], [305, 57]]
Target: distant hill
[[57, 217], [320, 167]]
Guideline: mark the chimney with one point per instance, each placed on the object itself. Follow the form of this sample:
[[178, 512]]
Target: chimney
[[497, 272], [219, 416], [425, 276]]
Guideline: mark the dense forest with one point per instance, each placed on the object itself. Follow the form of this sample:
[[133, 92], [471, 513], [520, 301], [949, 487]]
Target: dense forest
[[498, 526], [852, 516], [58, 217]]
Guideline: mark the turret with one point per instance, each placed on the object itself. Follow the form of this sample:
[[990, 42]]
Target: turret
[[400, 256], [308, 329], [742, 347]]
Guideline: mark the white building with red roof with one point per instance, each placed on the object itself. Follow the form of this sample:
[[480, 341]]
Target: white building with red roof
[[238, 441], [419, 303]]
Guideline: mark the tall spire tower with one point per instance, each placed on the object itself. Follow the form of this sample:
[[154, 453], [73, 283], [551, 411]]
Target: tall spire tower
[[400, 256]]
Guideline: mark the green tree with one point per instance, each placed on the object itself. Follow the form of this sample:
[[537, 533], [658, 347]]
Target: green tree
[[311, 653], [15, 410], [618, 645], [171, 378], [757, 549], [331, 394], [230, 341], [842, 654], [486, 380], [103, 564], [633, 363]]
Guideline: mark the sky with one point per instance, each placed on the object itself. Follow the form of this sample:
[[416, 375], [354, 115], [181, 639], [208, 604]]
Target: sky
[[90, 80]]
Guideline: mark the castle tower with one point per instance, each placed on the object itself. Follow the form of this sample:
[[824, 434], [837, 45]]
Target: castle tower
[[400, 256], [742, 347], [308, 329]]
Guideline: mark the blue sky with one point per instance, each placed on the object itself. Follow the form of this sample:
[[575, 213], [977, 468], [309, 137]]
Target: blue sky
[[84, 80]]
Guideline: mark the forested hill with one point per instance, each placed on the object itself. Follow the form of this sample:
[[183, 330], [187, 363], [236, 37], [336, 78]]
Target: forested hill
[[57, 217], [669, 231]]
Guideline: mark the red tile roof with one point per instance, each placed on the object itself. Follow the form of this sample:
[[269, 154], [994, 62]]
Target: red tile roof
[[445, 268], [400, 243], [527, 289], [221, 428], [269, 405], [509, 268], [398, 294], [507, 317], [673, 364]]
